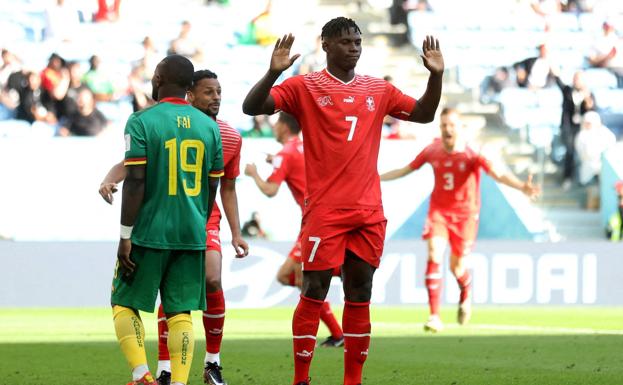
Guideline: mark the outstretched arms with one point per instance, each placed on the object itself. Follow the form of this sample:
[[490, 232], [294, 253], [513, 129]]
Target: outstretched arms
[[259, 101], [509, 179], [396, 173], [267, 188]]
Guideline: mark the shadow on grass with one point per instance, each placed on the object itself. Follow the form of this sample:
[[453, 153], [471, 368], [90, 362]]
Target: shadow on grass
[[431, 360]]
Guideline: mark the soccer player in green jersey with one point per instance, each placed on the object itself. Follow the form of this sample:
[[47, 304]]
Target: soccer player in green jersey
[[173, 161]]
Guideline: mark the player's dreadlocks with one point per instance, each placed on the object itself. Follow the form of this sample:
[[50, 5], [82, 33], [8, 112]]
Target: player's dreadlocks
[[335, 27]]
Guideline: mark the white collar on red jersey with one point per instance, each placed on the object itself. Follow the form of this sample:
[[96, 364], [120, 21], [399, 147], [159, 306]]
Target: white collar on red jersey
[[339, 80]]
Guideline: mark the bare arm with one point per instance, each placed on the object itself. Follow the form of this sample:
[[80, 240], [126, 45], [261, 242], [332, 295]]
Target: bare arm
[[259, 101], [108, 186], [131, 202], [396, 173], [509, 179], [267, 188], [212, 187], [424, 111], [230, 206]]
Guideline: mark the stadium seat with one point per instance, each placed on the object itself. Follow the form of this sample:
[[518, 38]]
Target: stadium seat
[[600, 78]]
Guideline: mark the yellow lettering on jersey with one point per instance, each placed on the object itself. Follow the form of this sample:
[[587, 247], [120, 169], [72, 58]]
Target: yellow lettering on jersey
[[183, 121]]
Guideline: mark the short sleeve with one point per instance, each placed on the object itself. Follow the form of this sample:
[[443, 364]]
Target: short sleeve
[[216, 171], [400, 105], [280, 169], [232, 168], [135, 142], [484, 163], [285, 93], [420, 159]]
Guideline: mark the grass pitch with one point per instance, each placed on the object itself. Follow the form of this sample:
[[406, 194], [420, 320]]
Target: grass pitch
[[536, 346]]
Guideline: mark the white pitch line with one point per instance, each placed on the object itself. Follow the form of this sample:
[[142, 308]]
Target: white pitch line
[[508, 328]]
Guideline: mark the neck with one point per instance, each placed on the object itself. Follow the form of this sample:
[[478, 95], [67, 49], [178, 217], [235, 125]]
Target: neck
[[171, 92], [343, 75]]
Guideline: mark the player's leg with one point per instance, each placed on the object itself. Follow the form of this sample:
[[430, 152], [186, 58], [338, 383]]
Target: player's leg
[[132, 292], [182, 290], [364, 249], [436, 235], [290, 273], [214, 316], [462, 235], [336, 339], [163, 373]]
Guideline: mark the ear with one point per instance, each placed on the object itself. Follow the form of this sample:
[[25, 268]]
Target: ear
[[325, 45], [190, 96]]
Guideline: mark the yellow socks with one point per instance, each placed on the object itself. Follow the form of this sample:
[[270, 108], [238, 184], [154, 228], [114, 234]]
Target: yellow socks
[[181, 344], [131, 336]]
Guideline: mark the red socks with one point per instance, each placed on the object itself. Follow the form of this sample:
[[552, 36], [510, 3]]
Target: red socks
[[213, 321], [356, 323], [163, 334], [433, 285], [465, 283], [328, 318], [304, 329]]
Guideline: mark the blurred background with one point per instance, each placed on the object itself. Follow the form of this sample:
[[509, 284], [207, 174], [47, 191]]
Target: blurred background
[[540, 84]]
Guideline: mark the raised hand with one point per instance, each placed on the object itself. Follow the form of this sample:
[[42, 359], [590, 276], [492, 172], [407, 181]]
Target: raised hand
[[530, 190], [432, 57], [281, 60]]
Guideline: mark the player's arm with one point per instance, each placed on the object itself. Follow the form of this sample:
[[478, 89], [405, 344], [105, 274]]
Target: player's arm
[[131, 202], [259, 101], [425, 108], [230, 206], [397, 173], [267, 188], [212, 187], [108, 186], [509, 179]]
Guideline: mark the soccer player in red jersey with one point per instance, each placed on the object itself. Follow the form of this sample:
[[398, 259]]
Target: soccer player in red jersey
[[341, 114], [454, 207], [206, 96], [289, 166]]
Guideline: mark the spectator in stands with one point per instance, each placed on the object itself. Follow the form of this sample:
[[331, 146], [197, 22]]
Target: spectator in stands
[[139, 89], [534, 72], [98, 82], [10, 64], [8, 99], [252, 228], [54, 82], [614, 228], [184, 44], [262, 128], [69, 103], [492, 85], [315, 60], [607, 52], [263, 26], [150, 58], [87, 120], [391, 125], [577, 100], [32, 107], [107, 10], [61, 21], [591, 142]]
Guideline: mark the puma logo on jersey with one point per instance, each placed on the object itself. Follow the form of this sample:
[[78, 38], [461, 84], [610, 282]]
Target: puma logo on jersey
[[304, 353], [324, 101], [350, 99]]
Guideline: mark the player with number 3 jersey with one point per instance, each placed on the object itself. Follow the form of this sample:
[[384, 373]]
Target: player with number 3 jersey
[[454, 207]]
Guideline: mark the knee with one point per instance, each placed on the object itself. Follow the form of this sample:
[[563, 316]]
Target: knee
[[315, 289], [359, 291], [213, 283]]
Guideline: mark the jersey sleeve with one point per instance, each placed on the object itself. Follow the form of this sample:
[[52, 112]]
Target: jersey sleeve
[[400, 105], [217, 160], [280, 169], [232, 168], [135, 142], [285, 93], [420, 159]]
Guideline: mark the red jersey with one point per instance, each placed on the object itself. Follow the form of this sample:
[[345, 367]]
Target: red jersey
[[341, 124], [289, 166], [232, 142], [457, 177]]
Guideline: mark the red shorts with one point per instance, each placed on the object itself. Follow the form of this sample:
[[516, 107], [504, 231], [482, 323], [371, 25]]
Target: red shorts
[[213, 229], [459, 229], [327, 233], [295, 252]]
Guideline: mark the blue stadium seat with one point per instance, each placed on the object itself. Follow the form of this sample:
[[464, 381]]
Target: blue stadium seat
[[600, 78]]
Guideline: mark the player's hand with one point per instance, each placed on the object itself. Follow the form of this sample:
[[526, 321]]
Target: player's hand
[[106, 191], [530, 189], [281, 60], [432, 57], [241, 246], [123, 254], [250, 169]]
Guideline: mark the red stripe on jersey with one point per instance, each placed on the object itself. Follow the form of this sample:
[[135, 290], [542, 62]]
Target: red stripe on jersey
[[173, 100], [232, 143]]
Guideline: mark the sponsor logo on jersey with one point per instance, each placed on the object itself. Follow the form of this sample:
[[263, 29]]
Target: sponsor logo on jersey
[[370, 103], [462, 166], [448, 163], [324, 101], [304, 353], [350, 99], [128, 142]]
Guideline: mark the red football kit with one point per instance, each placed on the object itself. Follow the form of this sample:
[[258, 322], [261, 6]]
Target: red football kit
[[341, 124], [455, 200], [232, 143]]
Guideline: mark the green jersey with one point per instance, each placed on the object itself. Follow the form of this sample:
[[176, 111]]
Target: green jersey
[[180, 147]]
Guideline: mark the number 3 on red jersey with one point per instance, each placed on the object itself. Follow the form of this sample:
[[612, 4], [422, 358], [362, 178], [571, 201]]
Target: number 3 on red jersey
[[449, 185]]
